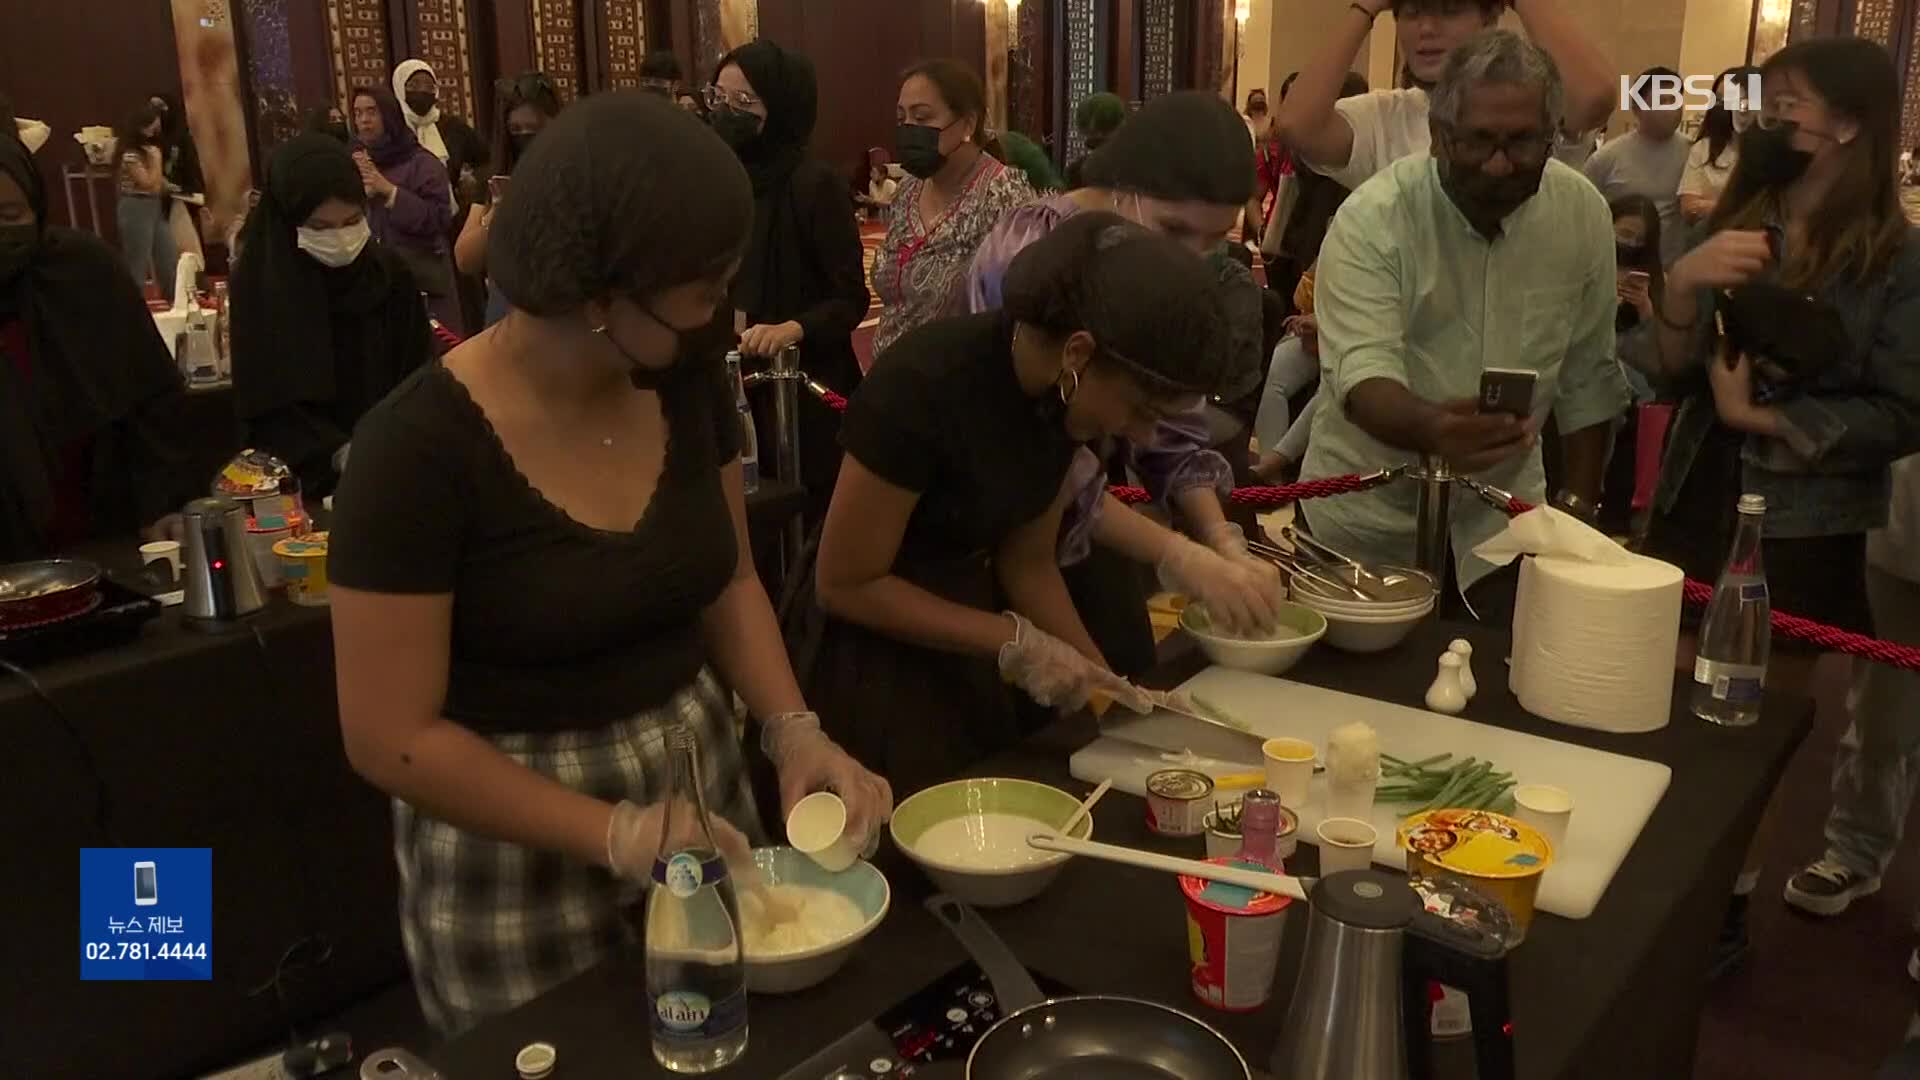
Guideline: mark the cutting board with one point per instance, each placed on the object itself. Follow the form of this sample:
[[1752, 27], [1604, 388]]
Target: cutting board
[[1613, 795]]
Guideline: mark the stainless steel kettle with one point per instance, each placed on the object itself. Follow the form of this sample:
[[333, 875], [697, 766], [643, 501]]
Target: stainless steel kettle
[[1362, 1010], [222, 582]]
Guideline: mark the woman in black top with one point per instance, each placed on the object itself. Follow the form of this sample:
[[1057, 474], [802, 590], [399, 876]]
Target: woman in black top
[[541, 567], [802, 281], [324, 323], [948, 507]]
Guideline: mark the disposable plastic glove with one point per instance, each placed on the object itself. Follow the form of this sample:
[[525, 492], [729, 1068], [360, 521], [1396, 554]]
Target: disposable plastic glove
[[1055, 673], [1238, 594], [808, 761], [633, 838]]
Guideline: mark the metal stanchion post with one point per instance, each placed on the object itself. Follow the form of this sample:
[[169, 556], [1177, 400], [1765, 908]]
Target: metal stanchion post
[[784, 371], [1434, 515]]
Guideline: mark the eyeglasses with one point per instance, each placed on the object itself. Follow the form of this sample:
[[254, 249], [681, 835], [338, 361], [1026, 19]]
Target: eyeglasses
[[739, 101], [1477, 148]]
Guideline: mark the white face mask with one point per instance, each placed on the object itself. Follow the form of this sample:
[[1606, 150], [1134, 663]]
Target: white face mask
[[334, 247]]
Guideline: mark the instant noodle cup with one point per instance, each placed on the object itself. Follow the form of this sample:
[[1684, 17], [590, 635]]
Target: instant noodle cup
[[303, 565], [1496, 855], [1233, 937]]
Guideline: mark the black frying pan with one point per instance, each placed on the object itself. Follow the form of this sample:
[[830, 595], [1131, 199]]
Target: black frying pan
[[1082, 1037]]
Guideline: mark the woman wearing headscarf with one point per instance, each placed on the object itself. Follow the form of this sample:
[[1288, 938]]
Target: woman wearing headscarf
[[465, 154], [524, 106], [87, 389], [540, 569], [324, 322], [802, 281], [180, 164], [408, 204]]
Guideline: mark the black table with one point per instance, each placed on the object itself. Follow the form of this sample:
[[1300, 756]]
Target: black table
[[225, 741], [1615, 995]]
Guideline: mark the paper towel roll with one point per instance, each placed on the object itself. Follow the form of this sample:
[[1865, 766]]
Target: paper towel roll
[[1593, 644]]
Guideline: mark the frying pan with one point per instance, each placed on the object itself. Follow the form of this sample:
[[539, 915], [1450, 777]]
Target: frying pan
[[1095, 1035], [45, 590]]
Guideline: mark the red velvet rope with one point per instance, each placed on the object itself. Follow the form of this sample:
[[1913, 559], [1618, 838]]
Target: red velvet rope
[[1828, 638], [445, 336]]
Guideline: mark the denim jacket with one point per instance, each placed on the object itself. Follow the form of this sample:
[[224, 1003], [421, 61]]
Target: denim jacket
[[1827, 475]]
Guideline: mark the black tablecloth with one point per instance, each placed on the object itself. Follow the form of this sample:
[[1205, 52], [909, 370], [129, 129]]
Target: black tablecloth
[[1615, 995], [199, 740]]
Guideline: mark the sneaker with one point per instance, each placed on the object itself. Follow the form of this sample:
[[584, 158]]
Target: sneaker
[[1734, 945], [1827, 888]]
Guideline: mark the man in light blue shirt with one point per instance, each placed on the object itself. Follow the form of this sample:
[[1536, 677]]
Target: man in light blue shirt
[[1484, 253]]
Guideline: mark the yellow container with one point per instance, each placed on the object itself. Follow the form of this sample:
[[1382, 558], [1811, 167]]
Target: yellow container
[[303, 563], [1496, 855]]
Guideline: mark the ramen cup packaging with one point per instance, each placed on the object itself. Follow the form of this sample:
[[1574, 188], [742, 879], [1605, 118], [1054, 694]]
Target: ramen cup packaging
[[1233, 938], [1178, 801], [1495, 855], [263, 539], [303, 565]]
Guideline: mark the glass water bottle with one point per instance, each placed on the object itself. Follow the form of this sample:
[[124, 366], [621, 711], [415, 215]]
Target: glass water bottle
[[1730, 667]]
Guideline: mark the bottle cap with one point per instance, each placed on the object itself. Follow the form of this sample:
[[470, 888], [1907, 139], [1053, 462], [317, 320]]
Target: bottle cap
[[1753, 504], [535, 1060]]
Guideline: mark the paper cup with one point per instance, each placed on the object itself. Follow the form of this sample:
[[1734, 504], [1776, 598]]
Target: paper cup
[[817, 828], [1546, 808], [303, 566], [1289, 769], [167, 551], [1345, 844], [1233, 935]]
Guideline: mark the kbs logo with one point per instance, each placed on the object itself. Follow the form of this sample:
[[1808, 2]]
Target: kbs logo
[[1662, 92]]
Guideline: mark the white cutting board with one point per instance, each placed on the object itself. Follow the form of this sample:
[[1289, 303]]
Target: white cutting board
[[1613, 795]]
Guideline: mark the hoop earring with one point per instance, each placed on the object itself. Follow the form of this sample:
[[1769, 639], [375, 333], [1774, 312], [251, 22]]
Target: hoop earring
[[1066, 395]]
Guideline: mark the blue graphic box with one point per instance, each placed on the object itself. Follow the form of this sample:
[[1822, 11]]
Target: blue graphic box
[[146, 913]]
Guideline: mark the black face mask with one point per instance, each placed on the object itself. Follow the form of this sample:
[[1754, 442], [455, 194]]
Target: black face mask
[[420, 101], [737, 129], [338, 129], [1629, 256], [917, 146], [1487, 200], [17, 246], [519, 141], [1771, 155], [691, 345]]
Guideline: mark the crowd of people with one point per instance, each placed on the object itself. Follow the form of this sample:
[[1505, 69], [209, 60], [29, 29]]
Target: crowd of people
[[540, 556]]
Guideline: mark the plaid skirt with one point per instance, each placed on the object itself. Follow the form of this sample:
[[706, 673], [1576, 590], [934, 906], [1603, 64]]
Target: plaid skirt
[[488, 924]]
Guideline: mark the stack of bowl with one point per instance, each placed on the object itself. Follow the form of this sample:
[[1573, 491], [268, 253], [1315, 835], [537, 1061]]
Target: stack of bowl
[[1396, 599]]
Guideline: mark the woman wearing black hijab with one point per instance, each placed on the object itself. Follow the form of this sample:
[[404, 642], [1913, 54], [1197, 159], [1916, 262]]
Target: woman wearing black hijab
[[802, 281], [324, 323], [86, 385]]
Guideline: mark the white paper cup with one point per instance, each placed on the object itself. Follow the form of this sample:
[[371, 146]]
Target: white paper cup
[[1289, 770], [168, 550], [1548, 809], [817, 828], [1345, 844]]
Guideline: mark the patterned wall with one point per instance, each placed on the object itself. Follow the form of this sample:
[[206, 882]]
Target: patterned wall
[[1026, 97], [360, 51], [556, 44], [1806, 18], [444, 43], [1873, 20], [1080, 46], [626, 40], [1159, 20], [276, 109], [1910, 97]]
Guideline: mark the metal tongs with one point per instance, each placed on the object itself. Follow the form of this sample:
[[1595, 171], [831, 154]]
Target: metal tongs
[[1364, 579], [1295, 564]]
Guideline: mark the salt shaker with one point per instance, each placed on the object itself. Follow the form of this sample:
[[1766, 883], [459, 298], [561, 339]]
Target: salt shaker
[[1463, 649], [1446, 695]]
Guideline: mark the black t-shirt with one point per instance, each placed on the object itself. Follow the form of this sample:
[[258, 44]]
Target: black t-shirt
[[556, 625], [943, 415]]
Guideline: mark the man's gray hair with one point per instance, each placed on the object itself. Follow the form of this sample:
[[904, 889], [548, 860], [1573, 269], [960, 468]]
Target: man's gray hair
[[1499, 56]]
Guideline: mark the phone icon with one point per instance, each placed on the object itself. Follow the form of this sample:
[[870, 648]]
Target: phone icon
[[146, 887]]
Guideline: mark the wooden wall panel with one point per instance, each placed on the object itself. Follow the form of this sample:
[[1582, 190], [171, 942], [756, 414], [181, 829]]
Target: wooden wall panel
[[557, 39], [512, 27], [441, 34], [625, 39], [361, 51]]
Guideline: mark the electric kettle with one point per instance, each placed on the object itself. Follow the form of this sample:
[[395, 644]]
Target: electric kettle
[[1362, 1009], [222, 582]]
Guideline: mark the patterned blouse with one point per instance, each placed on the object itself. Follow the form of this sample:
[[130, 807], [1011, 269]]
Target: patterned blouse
[[920, 274]]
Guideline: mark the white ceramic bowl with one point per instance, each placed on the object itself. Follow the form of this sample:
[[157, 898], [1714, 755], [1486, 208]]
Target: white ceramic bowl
[[785, 973], [1300, 626], [1363, 610], [970, 801], [1365, 634]]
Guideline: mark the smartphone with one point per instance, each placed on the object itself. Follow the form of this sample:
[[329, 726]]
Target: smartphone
[[146, 888], [1640, 278], [1507, 390], [496, 188]]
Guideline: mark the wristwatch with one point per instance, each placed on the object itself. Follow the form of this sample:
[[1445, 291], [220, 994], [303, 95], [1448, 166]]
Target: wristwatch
[[1573, 504]]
